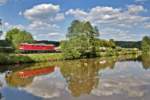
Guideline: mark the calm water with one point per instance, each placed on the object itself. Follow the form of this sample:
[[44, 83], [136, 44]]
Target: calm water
[[123, 78]]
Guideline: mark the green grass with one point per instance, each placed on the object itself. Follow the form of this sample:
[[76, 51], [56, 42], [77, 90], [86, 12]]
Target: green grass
[[28, 58], [45, 57]]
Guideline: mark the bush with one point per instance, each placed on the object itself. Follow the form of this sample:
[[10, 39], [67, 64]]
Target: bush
[[146, 45], [13, 59], [3, 58]]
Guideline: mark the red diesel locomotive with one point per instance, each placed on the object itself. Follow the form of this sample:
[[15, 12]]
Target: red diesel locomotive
[[26, 47]]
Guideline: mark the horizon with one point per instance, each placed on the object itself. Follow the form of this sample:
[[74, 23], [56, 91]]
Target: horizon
[[49, 19]]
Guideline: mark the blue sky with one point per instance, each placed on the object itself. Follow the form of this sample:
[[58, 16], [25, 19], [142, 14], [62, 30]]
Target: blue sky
[[49, 19]]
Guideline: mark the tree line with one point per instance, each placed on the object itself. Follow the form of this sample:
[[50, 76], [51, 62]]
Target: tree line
[[82, 41]]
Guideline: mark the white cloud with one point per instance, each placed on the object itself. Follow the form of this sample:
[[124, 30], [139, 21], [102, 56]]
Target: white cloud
[[121, 21], [44, 18], [147, 26], [40, 25], [110, 15], [53, 34], [41, 12], [7, 26], [80, 14], [59, 17], [2, 2], [135, 9]]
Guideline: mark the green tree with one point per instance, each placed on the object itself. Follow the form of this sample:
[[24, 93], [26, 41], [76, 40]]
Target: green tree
[[81, 40], [16, 36], [146, 44]]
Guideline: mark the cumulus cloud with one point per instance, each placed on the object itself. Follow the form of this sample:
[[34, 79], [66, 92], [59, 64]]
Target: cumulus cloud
[[124, 19], [80, 14], [135, 9], [46, 13], [43, 15], [110, 15], [44, 18], [8, 26], [41, 12]]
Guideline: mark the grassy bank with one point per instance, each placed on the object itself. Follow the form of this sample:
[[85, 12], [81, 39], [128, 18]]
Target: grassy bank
[[28, 58], [118, 52], [43, 57]]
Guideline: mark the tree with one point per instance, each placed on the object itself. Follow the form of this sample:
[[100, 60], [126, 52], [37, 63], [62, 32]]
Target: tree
[[81, 40], [16, 36], [146, 44], [78, 28]]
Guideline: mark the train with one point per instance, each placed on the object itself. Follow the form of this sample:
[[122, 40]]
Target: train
[[28, 47]]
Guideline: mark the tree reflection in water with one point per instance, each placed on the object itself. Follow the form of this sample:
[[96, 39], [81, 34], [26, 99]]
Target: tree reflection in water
[[145, 61], [15, 81], [83, 75]]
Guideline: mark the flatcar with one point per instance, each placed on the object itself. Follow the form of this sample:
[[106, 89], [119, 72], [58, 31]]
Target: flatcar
[[26, 47]]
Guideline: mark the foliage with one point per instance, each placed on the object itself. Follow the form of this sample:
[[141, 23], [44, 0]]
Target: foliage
[[16, 36], [128, 44], [105, 43], [81, 40], [5, 47], [145, 61], [13, 59], [146, 44]]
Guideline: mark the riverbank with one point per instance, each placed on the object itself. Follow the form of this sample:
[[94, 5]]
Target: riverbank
[[118, 51], [6, 59]]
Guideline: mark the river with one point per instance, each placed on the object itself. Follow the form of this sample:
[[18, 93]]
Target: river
[[111, 78]]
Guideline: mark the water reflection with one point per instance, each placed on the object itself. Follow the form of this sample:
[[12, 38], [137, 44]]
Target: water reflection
[[146, 61], [82, 75], [103, 77], [25, 76]]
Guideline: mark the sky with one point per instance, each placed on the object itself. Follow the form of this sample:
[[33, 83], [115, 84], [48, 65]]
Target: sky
[[122, 20]]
